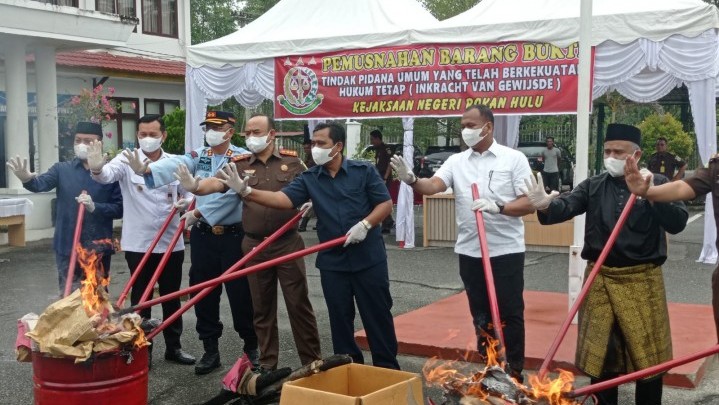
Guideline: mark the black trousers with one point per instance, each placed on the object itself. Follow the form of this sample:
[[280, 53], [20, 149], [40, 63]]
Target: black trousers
[[169, 282], [211, 255], [370, 289], [508, 272], [551, 180], [647, 392]]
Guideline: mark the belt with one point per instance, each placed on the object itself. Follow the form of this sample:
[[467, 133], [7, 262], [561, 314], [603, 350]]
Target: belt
[[219, 229], [255, 236]]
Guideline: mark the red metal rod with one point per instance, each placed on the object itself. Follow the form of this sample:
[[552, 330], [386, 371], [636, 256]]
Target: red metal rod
[[145, 258], [165, 257], [587, 284], [202, 294], [659, 368], [75, 246], [488, 276], [234, 276]]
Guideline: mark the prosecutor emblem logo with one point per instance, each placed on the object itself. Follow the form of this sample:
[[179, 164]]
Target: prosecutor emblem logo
[[300, 87]]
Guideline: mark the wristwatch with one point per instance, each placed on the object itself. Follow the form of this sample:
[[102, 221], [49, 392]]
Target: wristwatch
[[366, 224], [501, 207]]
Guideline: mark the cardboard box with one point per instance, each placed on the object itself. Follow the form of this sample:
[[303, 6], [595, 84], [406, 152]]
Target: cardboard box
[[355, 384]]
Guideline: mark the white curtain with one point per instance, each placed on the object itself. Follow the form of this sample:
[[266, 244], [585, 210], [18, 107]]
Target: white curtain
[[405, 197], [506, 130]]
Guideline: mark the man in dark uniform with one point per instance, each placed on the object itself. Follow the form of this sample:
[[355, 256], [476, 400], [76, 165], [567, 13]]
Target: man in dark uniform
[[381, 159], [215, 237], [702, 183], [624, 320], [665, 163], [307, 146], [350, 199], [270, 168]]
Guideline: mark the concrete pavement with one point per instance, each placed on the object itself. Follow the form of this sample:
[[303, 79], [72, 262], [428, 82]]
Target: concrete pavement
[[418, 277]]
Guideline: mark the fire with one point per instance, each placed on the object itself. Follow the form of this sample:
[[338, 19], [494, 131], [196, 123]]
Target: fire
[[465, 385], [93, 298]]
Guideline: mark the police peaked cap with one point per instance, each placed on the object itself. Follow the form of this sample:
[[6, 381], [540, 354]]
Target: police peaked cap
[[623, 132], [219, 117], [92, 128]]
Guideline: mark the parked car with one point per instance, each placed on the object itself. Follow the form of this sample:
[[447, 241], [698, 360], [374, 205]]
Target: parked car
[[395, 149], [433, 159], [533, 152]]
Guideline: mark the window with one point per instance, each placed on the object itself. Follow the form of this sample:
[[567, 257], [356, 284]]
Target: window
[[161, 107], [159, 17], [124, 125], [70, 3], [120, 7]]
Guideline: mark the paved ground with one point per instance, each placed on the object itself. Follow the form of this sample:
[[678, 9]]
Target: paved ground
[[419, 277]]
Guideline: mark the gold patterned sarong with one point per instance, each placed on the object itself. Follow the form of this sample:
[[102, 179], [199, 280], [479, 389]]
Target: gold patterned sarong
[[624, 321]]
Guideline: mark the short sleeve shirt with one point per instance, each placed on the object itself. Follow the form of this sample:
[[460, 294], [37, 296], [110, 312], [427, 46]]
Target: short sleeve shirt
[[382, 157], [551, 159], [499, 173], [340, 203], [665, 163]]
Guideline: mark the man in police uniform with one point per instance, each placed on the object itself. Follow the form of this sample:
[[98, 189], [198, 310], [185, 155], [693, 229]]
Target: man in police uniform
[[270, 168], [666, 163], [215, 238]]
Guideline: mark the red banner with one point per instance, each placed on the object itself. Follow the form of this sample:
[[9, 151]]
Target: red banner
[[428, 80]]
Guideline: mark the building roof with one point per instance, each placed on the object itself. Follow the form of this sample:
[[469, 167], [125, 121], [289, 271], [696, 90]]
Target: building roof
[[133, 64]]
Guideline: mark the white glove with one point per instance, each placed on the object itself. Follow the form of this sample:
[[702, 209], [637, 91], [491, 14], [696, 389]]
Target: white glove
[[535, 192], [20, 169], [485, 205], [306, 207], [86, 200], [133, 159], [187, 182], [404, 173], [229, 177], [95, 159], [190, 218], [182, 204], [356, 234]]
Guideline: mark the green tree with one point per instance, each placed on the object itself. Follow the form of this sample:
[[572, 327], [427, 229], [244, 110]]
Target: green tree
[[175, 126], [212, 19], [665, 125], [444, 9], [253, 9]]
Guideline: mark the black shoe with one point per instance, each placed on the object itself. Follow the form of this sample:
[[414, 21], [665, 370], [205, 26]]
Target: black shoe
[[179, 356], [207, 363], [254, 356]]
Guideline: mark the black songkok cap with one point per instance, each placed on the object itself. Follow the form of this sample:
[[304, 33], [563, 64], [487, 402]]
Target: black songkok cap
[[92, 128], [622, 132]]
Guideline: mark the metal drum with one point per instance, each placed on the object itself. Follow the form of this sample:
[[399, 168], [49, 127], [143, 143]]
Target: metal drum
[[107, 380]]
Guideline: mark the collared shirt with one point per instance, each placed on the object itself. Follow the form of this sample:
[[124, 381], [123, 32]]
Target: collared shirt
[[603, 197], [69, 179], [279, 170], [217, 208], [704, 181], [665, 163], [145, 209], [340, 203], [499, 173]]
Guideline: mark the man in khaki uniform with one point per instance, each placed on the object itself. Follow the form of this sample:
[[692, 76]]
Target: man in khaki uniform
[[270, 168]]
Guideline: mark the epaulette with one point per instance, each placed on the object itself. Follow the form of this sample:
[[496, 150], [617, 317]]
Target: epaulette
[[288, 152], [237, 158], [193, 154]]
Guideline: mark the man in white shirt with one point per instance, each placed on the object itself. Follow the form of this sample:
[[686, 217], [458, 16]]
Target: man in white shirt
[[499, 173], [145, 210]]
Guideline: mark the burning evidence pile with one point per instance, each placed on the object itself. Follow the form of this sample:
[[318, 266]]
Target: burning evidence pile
[[463, 384], [81, 324]]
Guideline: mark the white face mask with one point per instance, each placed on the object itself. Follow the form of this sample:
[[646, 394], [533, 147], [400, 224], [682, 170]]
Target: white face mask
[[214, 138], [81, 151], [322, 156], [614, 166], [149, 144], [473, 136], [257, 144]]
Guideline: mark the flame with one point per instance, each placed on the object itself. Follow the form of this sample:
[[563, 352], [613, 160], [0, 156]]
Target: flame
[[458, 379], [93, 298]]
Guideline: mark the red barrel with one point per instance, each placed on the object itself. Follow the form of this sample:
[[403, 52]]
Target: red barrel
[[107, 380]]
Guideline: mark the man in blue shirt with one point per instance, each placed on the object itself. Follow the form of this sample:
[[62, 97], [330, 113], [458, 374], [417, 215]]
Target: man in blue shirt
[[216, 236], [349, 198], [103, 202]]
